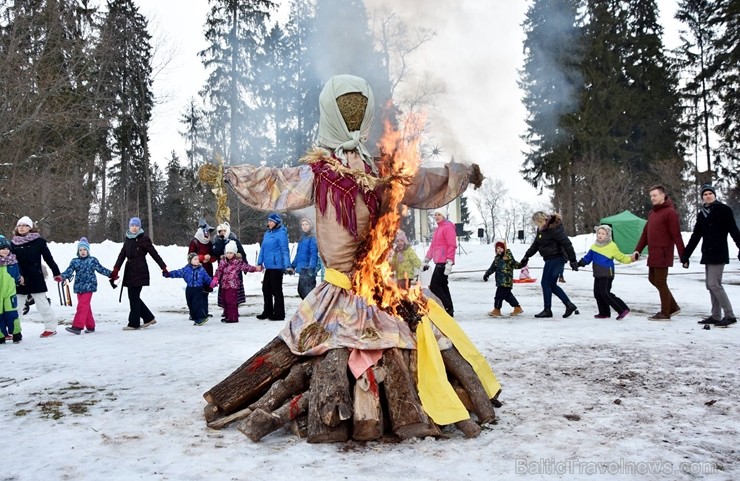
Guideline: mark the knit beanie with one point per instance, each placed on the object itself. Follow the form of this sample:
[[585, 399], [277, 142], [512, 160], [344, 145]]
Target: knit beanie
[[83, 243], [4, 243], [191, 255], [135, 221], [275, 217], [708, 187], [401, 236], [499, 242], [25, 220], [230, 247]]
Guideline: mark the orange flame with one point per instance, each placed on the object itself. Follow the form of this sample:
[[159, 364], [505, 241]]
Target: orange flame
[[373, 279]]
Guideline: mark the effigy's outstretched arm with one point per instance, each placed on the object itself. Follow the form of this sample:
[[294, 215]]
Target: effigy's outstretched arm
[[271, 188], [433, 187]]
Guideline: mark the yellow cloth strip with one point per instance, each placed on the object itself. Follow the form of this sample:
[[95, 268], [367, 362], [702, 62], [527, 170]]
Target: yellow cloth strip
[[438, 398], [336, 278], [451, 329]]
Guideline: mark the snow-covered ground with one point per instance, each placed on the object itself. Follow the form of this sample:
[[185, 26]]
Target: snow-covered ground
[[582, 398]]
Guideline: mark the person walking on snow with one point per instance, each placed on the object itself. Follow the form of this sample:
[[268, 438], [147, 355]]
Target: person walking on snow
[[602, 254], [10, 276], [661, 235], [202, 245], [555, 247], [29, 248], [197, 280], [83, 269], [228, 277], [442, 252], [503, 266], [713, 223], [135, 248]]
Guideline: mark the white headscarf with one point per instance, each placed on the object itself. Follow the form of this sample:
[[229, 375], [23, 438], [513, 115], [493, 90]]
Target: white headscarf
[[333, 131]]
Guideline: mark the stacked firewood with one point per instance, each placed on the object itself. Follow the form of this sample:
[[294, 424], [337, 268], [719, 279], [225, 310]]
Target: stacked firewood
[[323, 402]]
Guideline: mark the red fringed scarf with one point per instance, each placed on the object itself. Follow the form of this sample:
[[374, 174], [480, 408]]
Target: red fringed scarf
[[343, 190]]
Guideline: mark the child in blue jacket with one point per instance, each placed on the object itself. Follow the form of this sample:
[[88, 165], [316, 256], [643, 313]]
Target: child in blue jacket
[[306, 258], [10, 324], [196, 293], [83, 269]]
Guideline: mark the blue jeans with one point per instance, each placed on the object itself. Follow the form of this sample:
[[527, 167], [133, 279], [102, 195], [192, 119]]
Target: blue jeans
[[550, 273]]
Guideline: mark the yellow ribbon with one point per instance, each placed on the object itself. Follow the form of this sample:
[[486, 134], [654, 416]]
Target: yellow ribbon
[[339, 279], [437, 396]]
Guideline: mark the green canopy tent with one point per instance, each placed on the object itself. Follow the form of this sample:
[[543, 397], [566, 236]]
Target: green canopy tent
[[626, 230]]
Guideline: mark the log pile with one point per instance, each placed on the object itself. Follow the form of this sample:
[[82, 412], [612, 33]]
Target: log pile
[[322, 401]]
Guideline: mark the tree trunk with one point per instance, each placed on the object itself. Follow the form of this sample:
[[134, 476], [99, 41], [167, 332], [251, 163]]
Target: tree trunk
[[408, 419], [252, 378], [368, 417], [261, 423], [463, 372], [329, 405]]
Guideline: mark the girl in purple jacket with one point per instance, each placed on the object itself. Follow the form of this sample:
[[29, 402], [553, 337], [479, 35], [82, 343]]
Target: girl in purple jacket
[[227, 277]]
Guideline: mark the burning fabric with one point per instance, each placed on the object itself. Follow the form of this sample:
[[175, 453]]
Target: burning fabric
[[357, 317]]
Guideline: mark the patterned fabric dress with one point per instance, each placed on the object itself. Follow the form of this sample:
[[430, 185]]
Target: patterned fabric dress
[[347, 202]]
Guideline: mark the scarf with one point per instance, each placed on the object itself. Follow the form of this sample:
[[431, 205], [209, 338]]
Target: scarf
[[202, 237], [131, 235], [707, 208], [19, 240], [333, 132], [9, 260]]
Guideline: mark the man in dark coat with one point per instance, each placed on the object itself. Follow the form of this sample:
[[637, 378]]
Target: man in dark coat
[[714, 222], [661, 235]]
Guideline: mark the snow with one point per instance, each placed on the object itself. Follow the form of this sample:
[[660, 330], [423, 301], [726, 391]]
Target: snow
[[644, 399]]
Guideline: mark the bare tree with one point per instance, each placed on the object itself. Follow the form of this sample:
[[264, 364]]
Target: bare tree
[[489, 200]]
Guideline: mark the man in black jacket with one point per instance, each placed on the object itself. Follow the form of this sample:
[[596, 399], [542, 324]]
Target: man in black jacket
[[714, 221]]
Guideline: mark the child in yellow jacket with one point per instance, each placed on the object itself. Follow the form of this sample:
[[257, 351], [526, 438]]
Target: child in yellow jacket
[[602, 254]]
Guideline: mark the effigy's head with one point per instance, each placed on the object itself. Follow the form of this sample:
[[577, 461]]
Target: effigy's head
[[346, 109]]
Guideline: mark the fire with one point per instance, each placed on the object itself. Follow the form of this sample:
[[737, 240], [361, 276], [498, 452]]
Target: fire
[[373, 278]]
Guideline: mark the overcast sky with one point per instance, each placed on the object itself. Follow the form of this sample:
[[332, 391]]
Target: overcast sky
[[477, 52]]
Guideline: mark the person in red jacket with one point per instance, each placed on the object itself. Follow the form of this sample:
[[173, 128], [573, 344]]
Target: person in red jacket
[[661, 235], [442, 253]]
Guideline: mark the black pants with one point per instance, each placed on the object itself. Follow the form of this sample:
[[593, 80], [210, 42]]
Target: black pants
[[605, 298], [440, 288], [137, 309], [504, 294], [306, 282], [272, 292], [197, 300]]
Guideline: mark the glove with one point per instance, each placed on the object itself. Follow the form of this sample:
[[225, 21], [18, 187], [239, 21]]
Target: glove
[[114, 275], [426, 264], [113, 283], [448, 268], [581, 263], [214, 283], [485, 277], [58, 278], [165, 272], [574, 265], [523, 262]]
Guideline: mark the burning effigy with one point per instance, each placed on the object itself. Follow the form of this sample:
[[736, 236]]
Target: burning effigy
[[361, 358]]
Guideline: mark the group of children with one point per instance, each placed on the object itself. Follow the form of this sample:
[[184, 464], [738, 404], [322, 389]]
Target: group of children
[[602, 254]]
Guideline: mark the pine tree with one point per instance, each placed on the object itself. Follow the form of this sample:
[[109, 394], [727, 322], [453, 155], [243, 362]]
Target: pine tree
[[126, 51], [727, 66]]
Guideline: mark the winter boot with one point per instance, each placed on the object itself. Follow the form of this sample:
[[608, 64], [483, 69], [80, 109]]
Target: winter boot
[[544, 313], [496, 312], [726, 321], [570, 309], [17, 338], [74, 330], [517, 310]]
